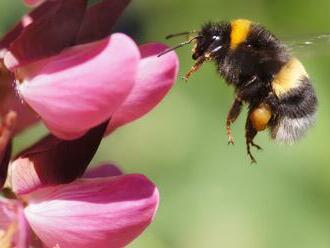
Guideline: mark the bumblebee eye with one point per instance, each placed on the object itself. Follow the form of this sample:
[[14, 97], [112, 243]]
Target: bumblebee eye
[[194, 56], [216, 37], [248, 45]]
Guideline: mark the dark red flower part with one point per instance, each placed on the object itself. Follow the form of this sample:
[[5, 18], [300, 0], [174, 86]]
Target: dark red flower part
[[54, 161], [48, 36], [100, 19], [36, 15], [6, 132], [65, 28]]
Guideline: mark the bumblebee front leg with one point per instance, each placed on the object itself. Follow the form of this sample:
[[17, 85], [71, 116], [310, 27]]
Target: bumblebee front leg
[[232, 115], [250, 133], [208, 55]]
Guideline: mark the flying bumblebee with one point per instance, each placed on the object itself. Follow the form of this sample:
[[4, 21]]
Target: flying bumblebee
[[274, 84]]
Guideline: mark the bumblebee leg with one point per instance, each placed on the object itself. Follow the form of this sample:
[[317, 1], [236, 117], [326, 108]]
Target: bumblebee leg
[[256, 146], [195, 67], [207, 56], [232, 115], [250, 134]]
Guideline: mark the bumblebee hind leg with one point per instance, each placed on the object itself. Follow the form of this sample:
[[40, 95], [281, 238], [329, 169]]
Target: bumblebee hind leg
[[250, 134]]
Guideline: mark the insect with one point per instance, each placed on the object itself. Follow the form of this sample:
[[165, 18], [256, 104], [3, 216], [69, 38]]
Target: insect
[[265, 76]]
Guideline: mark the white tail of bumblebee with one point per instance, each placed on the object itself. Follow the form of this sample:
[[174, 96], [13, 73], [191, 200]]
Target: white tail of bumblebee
[[289, 130]]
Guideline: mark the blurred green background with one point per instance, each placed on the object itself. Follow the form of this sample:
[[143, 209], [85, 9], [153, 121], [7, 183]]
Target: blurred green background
[[210, 194]]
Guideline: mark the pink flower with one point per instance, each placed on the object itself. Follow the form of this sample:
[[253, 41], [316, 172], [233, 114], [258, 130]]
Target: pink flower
[[104, 208], [107, 211], [75, 88], [83, 82]]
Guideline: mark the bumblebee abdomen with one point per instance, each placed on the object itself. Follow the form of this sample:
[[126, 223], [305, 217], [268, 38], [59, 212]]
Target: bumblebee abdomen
[[296, 111]]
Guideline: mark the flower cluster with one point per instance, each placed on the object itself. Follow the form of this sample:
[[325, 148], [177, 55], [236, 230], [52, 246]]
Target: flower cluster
[[61, 65]]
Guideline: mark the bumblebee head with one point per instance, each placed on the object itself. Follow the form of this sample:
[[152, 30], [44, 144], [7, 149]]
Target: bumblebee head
[[212, 41]]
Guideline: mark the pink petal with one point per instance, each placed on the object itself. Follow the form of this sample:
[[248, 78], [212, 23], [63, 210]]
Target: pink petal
[[100, 19], [53, 161], [81, 87], [104, 170], [5, 220], [24, 176], [102, 212], [23, 236], [47, 36], [156, 75], [33, 2]]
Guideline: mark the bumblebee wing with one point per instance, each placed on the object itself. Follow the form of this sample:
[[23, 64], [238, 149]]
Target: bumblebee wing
[[309, 45], [296, 110]]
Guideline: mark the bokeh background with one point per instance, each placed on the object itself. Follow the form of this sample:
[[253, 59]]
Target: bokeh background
[[210, 194]]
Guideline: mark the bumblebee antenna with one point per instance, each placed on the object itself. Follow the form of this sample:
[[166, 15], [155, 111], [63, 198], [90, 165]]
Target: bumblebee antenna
[[176, 35], [181, 34], [178, 46]]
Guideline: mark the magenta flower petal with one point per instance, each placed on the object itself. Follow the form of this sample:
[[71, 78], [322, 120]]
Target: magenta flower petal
[[100, 19], [155, 77], [24, 177], [102, 212], [47, 36], [52, 161], [5, 220], [104, 170], [23, 235], [82, 87]]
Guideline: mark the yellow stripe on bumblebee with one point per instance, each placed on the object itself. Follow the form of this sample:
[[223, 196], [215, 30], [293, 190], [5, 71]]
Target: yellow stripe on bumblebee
[[289, 77], [240, 30]]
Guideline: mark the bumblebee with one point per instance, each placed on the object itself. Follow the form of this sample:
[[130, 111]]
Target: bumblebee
[[274, 84]]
